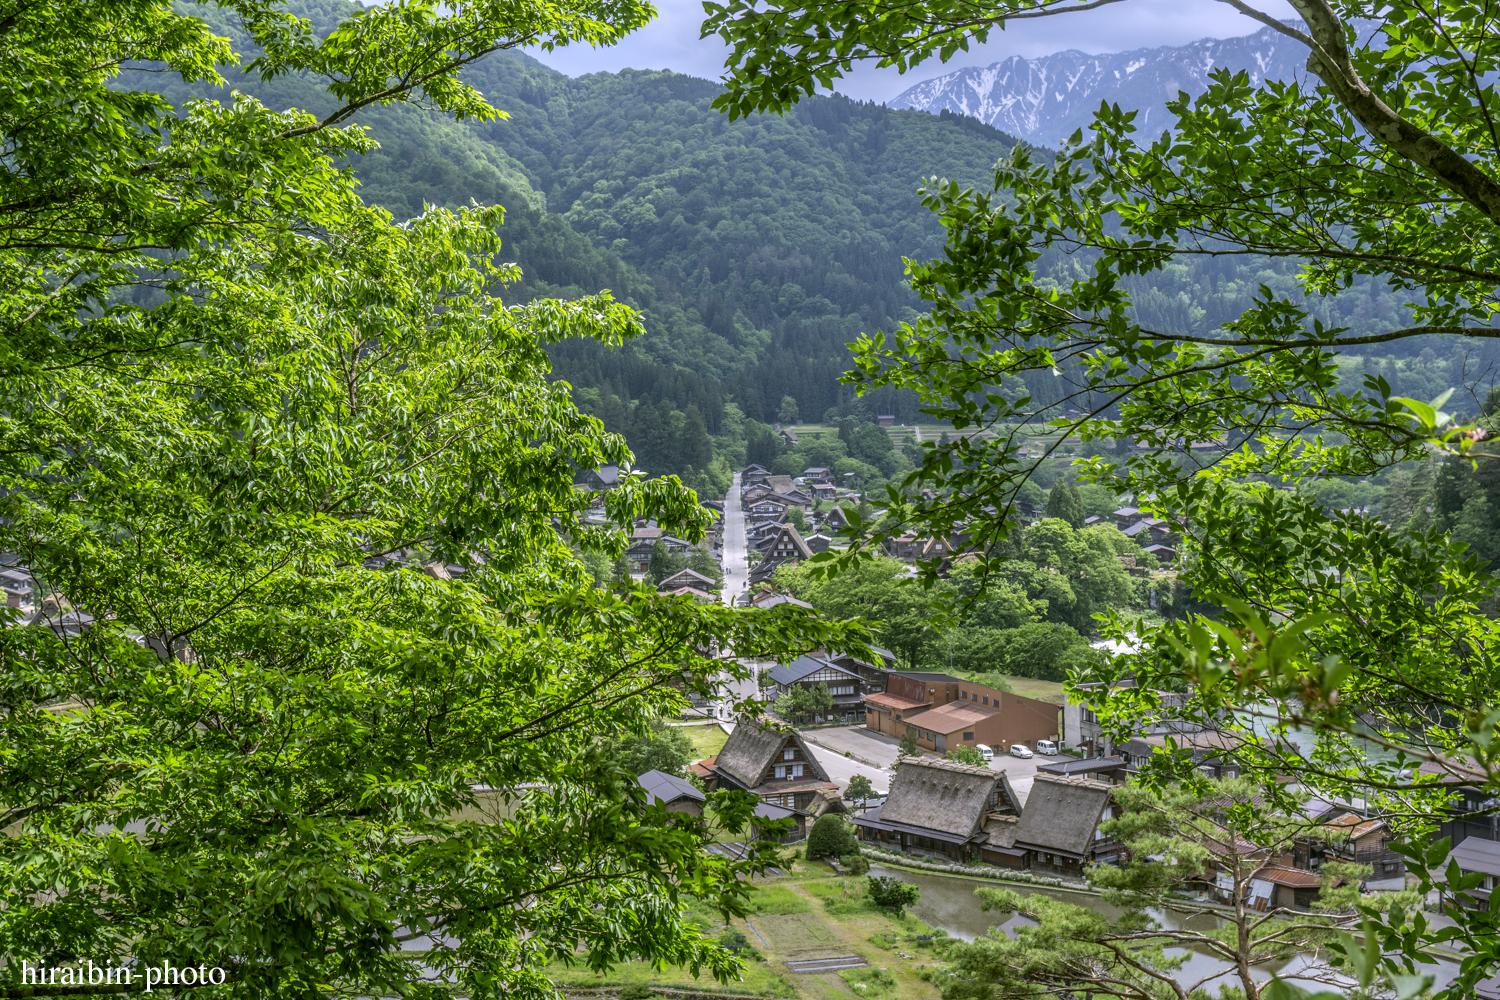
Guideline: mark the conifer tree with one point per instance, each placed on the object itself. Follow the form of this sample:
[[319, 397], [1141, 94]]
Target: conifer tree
[[1063, 502], [694, 449]]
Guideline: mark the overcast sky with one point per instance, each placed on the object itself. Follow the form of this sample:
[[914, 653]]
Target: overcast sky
[[671, 41]]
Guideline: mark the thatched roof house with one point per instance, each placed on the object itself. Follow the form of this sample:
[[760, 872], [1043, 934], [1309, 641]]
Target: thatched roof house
[[939, 806], [777, 766], [1060, 822]]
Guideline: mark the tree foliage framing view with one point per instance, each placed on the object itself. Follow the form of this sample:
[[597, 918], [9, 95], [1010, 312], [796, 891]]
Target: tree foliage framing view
[[240, 413], [1383, 165]]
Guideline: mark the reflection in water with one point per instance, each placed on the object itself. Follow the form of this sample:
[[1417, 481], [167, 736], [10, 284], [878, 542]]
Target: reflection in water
[[948, 903]]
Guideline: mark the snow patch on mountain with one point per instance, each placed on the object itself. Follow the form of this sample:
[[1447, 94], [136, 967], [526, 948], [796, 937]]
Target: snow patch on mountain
[[1045, 100]]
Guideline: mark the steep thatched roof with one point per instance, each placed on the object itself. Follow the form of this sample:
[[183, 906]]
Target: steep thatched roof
[[1062, 814], [751, 748], [1000, 830], [945, 796]]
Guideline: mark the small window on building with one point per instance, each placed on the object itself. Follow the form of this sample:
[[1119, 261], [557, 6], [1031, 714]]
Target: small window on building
[[787, 755], [968, 736], [780, 771], [796, 770], [986, 699]]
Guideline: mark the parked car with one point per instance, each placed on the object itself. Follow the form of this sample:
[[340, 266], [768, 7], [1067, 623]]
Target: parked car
[[1046, 747], [989, 754], [1020, 750]]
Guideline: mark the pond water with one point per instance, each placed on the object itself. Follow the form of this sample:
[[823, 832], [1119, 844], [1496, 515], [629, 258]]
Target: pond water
[[948, 903]]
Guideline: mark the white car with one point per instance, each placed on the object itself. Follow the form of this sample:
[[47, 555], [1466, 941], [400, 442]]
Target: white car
[[989, 754], [1046, 747], [1020, 750]]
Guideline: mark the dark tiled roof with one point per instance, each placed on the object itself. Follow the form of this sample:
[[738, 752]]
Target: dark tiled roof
[[802, 666], [659, 784], [1085, 766], [1477, 855]]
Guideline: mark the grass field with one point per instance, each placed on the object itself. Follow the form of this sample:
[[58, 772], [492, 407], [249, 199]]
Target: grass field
[[803, 915], [1027, 687], [840, 920], [707, 740], [758, 979]]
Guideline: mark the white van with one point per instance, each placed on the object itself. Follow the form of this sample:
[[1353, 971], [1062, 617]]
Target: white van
[[1046, 747], [989, 754]]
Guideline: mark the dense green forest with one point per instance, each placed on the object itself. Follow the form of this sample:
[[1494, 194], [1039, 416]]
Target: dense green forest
[[755, 249]]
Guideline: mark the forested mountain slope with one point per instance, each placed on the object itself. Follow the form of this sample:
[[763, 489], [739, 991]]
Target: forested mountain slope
[[756, 249], [783, 237]]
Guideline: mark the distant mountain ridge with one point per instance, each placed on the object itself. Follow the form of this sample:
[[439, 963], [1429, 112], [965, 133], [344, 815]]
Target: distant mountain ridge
[[1044, 100]]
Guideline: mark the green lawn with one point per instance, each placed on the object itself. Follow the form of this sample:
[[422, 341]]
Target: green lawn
[[759, 978], [1027, 687], [707, 740], [770, 897]]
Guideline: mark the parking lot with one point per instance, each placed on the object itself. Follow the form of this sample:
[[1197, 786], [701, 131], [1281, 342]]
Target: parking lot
[[880, 751]]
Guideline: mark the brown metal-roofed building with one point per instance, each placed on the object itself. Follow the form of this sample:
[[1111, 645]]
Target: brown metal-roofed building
[[938, 806], [1021, 719], [955, 724], [1060, 824], [1367, 845], [1291, 888], [907, 692]]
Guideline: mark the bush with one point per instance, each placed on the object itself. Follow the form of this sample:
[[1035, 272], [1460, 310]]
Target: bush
[[637, 991], [737, 943], [856, 864], [890, 893], [831, 837], [967, 755], [869, 982], [981, 871]]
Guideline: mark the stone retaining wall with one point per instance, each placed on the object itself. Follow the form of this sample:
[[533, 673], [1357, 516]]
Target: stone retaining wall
[[968, 871]]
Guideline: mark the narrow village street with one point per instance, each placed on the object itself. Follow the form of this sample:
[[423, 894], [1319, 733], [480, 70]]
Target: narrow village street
[[735, 559]]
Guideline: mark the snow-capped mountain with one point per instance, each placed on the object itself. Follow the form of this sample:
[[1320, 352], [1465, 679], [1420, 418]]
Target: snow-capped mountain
[[1044, 100]]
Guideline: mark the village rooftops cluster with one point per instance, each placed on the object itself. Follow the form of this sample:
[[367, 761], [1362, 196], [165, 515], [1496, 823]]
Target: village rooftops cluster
[[768, 502], [964, 814]]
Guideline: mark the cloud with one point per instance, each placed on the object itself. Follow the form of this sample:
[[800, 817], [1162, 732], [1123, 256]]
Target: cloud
[[672, 42]]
